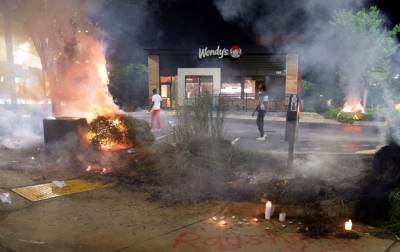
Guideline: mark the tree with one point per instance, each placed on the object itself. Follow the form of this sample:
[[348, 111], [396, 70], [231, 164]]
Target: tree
[[365, 48], [128, 85], [70, 52]]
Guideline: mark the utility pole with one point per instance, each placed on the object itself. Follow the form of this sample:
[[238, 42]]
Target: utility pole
[[9, 77]]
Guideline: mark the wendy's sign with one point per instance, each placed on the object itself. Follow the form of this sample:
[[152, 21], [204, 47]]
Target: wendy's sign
[[235, 52]]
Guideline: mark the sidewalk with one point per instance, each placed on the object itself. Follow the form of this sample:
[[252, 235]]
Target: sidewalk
[[305, 117]]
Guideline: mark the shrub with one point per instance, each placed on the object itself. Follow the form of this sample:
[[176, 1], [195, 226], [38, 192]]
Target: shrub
[[118, 129], [332, 113], [394, 211], [345, 117]]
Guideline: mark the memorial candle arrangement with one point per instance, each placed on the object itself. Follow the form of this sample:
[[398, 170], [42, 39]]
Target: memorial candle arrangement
[[268, 210], [282, 217], [348, 225]]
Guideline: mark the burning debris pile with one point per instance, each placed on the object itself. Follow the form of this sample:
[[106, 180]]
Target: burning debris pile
[[118, 132], [352, 111]]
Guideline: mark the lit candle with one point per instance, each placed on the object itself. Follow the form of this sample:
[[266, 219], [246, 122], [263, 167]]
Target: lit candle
[[282, 217], [222, 223], [268, 210], [348, 225]]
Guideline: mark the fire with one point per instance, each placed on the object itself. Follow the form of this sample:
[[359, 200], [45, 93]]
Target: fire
[[84, 90], [353, 105], [108, 133], [97, 169]]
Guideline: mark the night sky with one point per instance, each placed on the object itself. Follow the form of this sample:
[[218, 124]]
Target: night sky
[[183, 23]]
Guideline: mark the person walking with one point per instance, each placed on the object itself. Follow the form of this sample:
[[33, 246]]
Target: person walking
[[155, 109], [261, 110]]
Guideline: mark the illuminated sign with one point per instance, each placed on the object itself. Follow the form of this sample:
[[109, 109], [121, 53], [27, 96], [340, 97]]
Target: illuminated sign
[[234, 52]]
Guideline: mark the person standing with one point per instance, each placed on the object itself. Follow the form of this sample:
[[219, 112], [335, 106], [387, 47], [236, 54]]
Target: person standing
[[155, 109], [261, 110]]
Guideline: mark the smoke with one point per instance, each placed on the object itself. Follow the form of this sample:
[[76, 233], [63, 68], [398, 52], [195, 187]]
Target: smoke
[[308, 27], [20, 129]]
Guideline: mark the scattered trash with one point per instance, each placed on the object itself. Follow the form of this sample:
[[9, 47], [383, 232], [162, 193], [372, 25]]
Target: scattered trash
[[233, 217], [283, 226], [31, 241], [172, 123], [267, 228], [5, 198], [131, 151], [76, 218], [33, 158], [235, 140], [240, 223], [58, 183]]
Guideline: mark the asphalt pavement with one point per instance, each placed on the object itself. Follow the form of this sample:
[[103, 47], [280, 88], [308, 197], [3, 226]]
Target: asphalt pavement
[[315, 133]]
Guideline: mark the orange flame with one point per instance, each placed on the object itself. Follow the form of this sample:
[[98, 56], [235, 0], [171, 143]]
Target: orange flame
[[353, 105], [84, 90]]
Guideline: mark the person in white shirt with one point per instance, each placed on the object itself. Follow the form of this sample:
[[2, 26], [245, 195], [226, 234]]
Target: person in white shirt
[[155, 109]]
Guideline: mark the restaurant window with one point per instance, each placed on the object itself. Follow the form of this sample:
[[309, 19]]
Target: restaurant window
[[251, 85], [165, 86], [232, 88], [196, 85], [165, 90]]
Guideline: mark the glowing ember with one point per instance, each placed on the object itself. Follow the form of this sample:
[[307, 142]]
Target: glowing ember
[[108, 133], [97, 169]]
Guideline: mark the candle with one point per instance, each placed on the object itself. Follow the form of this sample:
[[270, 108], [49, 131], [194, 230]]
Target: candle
[[268, 210], [348, 225], [282, 217]]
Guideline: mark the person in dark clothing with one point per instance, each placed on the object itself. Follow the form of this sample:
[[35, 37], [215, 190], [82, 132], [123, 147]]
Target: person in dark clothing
[[261, 110]]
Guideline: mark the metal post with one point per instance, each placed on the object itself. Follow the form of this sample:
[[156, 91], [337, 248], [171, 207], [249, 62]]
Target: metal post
[[292, 122], [290, 155]]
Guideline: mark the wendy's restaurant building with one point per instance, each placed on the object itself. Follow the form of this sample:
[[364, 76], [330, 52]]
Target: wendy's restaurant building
[[233, 72]]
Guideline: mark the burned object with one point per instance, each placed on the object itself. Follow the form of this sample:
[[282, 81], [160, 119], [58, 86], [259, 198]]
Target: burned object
[[63, 128], [117, 132]]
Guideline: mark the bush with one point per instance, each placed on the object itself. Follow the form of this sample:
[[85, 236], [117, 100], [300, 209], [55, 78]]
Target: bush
[[106, 131], [332, 113], [394, 211], [345, 117]]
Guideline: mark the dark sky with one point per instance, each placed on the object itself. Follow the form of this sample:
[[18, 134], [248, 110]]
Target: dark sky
[[184, 23]]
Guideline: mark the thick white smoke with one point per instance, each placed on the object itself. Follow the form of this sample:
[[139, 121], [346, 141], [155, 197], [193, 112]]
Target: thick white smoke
[[19, 129]]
